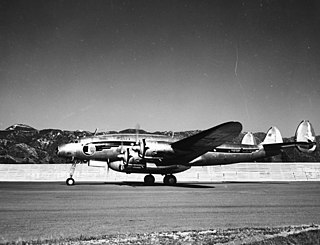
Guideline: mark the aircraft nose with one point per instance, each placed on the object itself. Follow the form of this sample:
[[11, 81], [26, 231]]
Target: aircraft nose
[[59, 150], [68, 150], [65, 150]]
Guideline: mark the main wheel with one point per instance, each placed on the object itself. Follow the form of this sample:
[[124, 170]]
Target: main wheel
[[170, 180], [70, 181], [149, 179], [165, 180]]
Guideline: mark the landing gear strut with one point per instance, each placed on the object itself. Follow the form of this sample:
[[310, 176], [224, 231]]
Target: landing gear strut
[[70, 181], [170, 180]]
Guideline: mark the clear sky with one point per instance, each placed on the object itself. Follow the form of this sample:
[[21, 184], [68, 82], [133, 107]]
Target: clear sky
[[165, 65]]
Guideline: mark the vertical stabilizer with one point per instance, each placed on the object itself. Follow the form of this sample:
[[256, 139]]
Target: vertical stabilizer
[[305, 133], [273, 136], [249, 139]]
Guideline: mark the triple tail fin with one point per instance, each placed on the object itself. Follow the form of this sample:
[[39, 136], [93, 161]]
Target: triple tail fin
[[305, 139], [249, 139], [273, 136], [305, 133]]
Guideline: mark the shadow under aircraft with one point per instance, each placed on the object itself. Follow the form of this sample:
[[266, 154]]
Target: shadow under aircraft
[[198, 185]]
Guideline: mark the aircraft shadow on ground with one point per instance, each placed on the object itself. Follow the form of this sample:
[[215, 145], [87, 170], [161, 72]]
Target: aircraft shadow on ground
[[201, 185], [257, 182], [141, 184]]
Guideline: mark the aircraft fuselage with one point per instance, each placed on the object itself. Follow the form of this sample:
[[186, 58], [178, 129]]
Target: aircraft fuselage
[[111, 148]]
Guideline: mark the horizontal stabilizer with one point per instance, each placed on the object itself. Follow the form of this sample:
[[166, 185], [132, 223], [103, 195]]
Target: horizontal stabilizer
[[277, 147]]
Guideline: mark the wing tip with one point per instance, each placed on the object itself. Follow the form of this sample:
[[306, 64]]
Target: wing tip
[[237, 126]]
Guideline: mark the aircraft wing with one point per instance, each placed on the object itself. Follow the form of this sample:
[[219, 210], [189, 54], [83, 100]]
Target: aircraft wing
[[196, 145]]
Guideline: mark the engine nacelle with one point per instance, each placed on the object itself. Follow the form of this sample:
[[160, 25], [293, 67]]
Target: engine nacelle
[[305, 133], [117, 166], [158, 150]]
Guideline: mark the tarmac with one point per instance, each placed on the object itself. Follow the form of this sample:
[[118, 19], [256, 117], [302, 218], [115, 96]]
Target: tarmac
[[35, 202], [52, 210], [235, 172]]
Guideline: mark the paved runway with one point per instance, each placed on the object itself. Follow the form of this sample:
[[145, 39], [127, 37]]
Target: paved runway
[[53, 210]]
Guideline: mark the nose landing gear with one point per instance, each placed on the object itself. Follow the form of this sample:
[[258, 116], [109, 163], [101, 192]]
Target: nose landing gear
[[70, 181]]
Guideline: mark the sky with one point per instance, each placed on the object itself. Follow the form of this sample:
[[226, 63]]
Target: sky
[[164, 65]]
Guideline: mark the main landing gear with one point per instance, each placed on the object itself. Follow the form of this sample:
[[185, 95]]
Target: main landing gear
[[168, 179], [149, 179]]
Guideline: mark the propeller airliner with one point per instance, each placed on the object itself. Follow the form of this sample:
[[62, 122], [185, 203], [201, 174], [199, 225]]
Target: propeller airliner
[[159, 154]]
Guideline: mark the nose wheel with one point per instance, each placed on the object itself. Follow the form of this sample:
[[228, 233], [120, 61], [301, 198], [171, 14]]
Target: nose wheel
[[70, 181]]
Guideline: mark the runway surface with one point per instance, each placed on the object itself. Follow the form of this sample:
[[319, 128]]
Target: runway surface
[[53, 210]]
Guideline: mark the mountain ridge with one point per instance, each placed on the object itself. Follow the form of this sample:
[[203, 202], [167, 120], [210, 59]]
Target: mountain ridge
[[21, 143]]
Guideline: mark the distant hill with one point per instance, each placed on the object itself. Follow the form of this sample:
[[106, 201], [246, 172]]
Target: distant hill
[[21, 127], [21, 143]]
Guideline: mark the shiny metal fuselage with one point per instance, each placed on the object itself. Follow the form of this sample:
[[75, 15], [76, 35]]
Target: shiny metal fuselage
[[110, 148]]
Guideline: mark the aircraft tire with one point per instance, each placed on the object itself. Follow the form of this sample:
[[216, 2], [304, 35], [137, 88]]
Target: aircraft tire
[[149, 179], [165, 180], [170, 180], [70, 181]]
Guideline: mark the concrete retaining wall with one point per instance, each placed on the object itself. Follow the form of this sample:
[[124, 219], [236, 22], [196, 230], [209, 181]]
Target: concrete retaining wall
[[235, 172]]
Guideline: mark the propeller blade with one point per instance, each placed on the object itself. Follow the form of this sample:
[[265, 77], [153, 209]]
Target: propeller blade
[[137, 132], [121, 148], [95, 132], [126, 157], [143, 148]]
